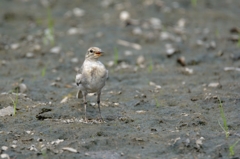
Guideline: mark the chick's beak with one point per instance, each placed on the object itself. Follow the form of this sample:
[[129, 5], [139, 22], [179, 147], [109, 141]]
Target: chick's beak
[[100, 53]]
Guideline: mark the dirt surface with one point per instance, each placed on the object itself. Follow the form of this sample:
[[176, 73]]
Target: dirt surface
[[171, 67]]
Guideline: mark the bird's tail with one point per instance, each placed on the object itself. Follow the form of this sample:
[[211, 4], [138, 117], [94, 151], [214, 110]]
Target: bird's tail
[[79, 94]]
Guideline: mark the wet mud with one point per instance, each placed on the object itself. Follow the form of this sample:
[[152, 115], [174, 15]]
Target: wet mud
[[173, 89]]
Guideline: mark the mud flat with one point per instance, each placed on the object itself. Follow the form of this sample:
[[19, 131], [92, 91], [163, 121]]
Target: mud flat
[[173, 90]]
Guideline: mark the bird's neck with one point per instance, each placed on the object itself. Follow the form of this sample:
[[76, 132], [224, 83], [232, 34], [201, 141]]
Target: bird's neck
[[92, 59]]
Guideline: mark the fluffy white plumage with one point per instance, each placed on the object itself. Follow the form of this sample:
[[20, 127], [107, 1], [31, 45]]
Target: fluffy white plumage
[[92, 76]]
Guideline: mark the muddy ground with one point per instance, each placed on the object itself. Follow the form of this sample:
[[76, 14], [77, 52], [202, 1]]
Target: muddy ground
[[171, 67]]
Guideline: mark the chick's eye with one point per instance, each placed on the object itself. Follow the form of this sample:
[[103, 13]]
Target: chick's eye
[[91, 51]]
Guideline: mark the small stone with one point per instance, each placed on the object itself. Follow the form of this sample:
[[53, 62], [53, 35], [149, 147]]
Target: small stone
[[110, 64], [21, 88], [200, 42], [29, 55], [15, 46], [4, 155], [58, 79], [64, 100], [128, 53], [56, 142], [140, 111], [187, 142], [13, 146], [124, 16], [4, 148], [231, 69], [140, 60], [55, 50], [36, 48], [137, 31], [78, 12], [6, 111], [28, 132], [199, 142], [70, 149], [181, 60], [166, 36], [74, 60], [189, 70], [33, 148], [170, 50], [74, 31], [92, 104], [155, 23], [214, 84], [14, 141], [116, 104]]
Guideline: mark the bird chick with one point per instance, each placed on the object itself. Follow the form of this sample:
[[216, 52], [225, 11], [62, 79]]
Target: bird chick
[[92, 77]]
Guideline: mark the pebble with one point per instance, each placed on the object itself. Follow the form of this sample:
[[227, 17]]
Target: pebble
[[181, 60], [128, 53], [140, 111], [15, 46], [29, 55], [110, 63], [3, 62], [55, 50], [70, 149], [74, 60], [214, 84], [4, 148], [56, 142], [129, 44], [64, 100], [74, 31], [92, 104], [33, 148], [124, 16], [36, 48], [188, 70], [6, 111], [20, 87], [170, 50], [58, 79], [155, 23], [116, 104], [140, 60], [211, 45], [13, 146], [166, 36], [78, 12], [137, 31], [199, 42], [4, 155], [155, 85], [28, 132], [199, 142]]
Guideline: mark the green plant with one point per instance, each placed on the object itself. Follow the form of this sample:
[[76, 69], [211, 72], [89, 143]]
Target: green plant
[[217, 32], [44, 152], [225, 126], [15, 102], [157, 103], [43, 72], [225, 129], [116, 56], [231, 148], [150, 67], [194, 3], [49, 32]]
